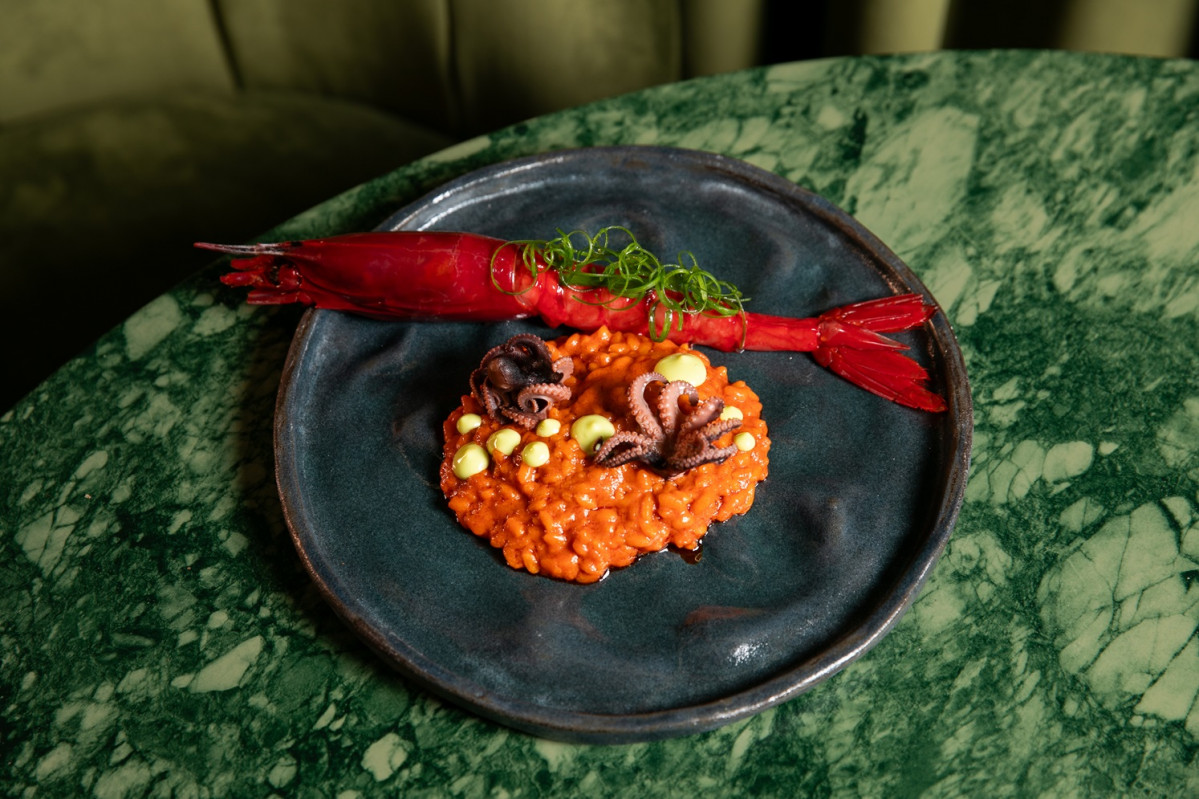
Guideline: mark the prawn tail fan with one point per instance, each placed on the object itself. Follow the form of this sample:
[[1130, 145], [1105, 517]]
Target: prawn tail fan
[[851, 345]]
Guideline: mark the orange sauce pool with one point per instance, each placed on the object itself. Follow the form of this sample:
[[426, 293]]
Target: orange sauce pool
[[574, 520]]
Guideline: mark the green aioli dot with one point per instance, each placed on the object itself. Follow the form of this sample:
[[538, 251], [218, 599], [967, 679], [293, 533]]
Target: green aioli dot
[[503, 441], [682, 366], [731, 412], [591, 431], [744, 441], [469, 460], [536, 453], [468, 422], [548, 427]]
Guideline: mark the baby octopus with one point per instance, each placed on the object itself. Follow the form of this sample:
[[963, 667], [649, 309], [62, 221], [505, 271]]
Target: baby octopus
[[519, 382], [671, 439]]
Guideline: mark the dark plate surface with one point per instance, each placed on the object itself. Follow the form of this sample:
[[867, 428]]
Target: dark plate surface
[[861, 497]]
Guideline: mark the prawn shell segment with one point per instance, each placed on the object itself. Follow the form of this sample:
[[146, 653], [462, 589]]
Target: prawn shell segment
[[572, 519]]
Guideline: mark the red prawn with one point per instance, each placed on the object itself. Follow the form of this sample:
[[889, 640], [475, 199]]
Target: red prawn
[[465, 277]]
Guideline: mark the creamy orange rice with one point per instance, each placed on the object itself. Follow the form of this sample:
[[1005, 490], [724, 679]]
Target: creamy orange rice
[[574, 520]]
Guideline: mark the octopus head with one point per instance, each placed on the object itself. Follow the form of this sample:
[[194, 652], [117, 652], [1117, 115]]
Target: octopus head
[[519, 381]]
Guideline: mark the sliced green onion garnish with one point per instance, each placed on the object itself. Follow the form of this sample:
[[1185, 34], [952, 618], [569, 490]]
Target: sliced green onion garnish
[[629, 273]]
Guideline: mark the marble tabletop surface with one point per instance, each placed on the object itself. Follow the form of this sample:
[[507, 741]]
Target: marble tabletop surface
[[158, 635]]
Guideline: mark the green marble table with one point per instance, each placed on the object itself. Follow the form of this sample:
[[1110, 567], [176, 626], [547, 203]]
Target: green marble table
[[158, 635]]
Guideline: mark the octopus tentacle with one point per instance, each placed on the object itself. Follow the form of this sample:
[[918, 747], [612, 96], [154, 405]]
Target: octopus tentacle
[[715, 429], [639, 406], [709, 455], [541, 397], [526, 420], [478, 379], [703, 413], [532, 346], [668, 404], [533, 403], [564, 367], [623, 447], [488, 398]]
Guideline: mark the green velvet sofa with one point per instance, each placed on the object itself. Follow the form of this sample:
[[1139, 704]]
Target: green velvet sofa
[[129, 129]]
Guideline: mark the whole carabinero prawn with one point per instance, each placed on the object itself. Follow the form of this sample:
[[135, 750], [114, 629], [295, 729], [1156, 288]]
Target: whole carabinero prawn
[[466, 277]]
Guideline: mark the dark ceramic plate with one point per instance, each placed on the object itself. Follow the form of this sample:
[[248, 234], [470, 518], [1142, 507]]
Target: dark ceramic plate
[[859, 503]]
